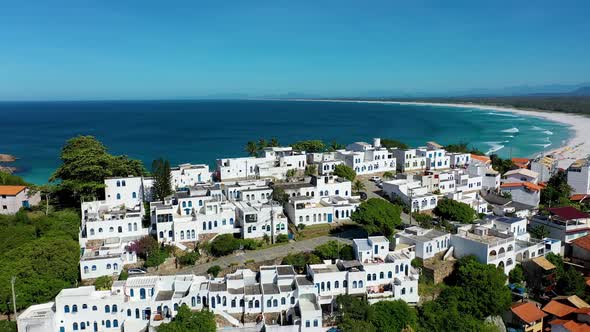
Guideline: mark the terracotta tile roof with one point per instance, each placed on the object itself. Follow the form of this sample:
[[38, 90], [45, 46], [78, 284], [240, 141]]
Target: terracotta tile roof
[[571, 326], [11, 190], [578, 197], [528, 312], [483, 159], [558, 309], [528, 185], [574, 300], [521, 162], [568, 212], [583, 242]]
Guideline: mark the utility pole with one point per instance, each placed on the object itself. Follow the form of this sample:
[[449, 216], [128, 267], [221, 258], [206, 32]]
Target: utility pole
[[12, 281], [411, 191], [272, 222]]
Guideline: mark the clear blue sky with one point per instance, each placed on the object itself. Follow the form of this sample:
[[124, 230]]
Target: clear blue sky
[[143, 49]]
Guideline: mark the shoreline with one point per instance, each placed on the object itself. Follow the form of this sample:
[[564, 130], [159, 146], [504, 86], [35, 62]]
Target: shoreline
[[575, 148]]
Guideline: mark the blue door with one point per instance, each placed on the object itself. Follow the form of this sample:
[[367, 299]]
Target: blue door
[[26, 204], [329, 217]]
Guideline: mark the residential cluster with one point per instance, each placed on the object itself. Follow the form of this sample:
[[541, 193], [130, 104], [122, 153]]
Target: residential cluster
[[238, 198]]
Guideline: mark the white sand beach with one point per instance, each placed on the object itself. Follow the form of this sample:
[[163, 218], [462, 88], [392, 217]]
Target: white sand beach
[[576, 148]]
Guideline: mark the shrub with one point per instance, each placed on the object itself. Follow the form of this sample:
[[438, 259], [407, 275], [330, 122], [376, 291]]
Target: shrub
[[282, 238], [223, 245], [214, 270], [189, 258], [345, 172], [301, 227], [103, 283], [124, 275]]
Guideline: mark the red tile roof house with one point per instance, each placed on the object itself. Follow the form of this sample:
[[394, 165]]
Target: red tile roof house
[[12, 198], [523, 192], [564, 317], [525, 316], [564, 223], [580, 253]]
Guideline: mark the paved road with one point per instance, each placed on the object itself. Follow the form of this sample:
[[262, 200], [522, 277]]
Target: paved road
[[271, 253], [375, 192]]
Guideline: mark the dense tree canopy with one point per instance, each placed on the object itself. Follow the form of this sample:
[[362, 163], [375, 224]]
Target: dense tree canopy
[[569, 280], [42, 252], [345, 172], [334, 250], [463, 148], [392, 143], [501, 165], [392, 316], [10, 179], [453, 210], [309, 146], [187, 320], [85, 164], [557, 192], [378, 216], [300, 260]]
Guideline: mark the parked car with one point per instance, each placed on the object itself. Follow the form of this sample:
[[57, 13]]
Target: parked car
[[380, 184], [363, 196], [136, 271], [375, 178]]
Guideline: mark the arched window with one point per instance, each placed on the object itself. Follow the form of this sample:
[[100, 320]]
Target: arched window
[[193, 301], [142, 293], [204, 225], [256, 304], [369, 277], [66, 308], [92, 231], [210, 225], [190, 203], [129, 228], [123, 183], [292, 300], [107, 309], [75, 326], [74, 308], [100, 229], [193, 234], [94, 308], [111, 229], [137, 313], [182, 235], [120, 229], [161, 234], [231, 221], [107, 324], [389, 275], [175, 306], [128, 312], [114, 309], [131, 292], [135, 226], [336, 284], [183, 204], [115, 323], [118, 196], [84, 306], [170, 234], [381, 275], [269, 303], [134, 195], [283, 301], [215, 223], [118, 183], [108, 266], [354, 284], [86, 269]]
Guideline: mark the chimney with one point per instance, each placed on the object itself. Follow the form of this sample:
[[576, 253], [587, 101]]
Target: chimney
[[377, 142]]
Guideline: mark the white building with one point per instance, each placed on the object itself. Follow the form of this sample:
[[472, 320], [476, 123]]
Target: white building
[[256, 219], [521, 175], [310, 211], [428, 242], [459, 159], [523, 192], [412, 193], [274, 299], [564, 223], [492, 246], [248, 190], [578, 176], [482, 166], [12, 198], [185, 175], [545, 166], [107, 258], [408, 160], [502, 206], [473, 199], [128, 191], [436, 157], [326, 162], [274, 163], [365, 158]]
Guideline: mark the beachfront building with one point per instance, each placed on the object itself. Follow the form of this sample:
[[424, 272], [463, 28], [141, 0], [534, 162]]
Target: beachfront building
[[255, 219], [12, 198], [526, 193], [247, 190], [408, 160], [482, 166], [427, 242], [275, 298], [578, 176], [496, 246], [274, 163], [563, 223], [185, 175], [412, 193], [521, 175], [191, 213], [128, 191], [545, 166], [365, 158]]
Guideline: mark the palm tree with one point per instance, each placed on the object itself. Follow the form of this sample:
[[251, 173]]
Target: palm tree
[[252, 148], [262, 144], [358, 186], [336, 146], [274, 142]]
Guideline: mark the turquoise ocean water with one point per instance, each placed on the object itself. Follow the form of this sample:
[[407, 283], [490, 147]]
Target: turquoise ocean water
[[201, 131]]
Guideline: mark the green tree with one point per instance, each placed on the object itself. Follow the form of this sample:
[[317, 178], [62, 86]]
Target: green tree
[[223, 245], [188, 320], [274, 142], [392, 143], [423, 219], [538, 232], [310, 146], [262, 144], [103, 283], [480, 288], [7, 179], [311, 170], [291, 173], [463, 148], [388, 175], [356, 325], [252, 149], [214, 270], [345, 172], [393, 316], [501, 165], [328, 250], [569, 280], [335, 146], [378, 216], [85, 165], [516, 275], [449, 209], [358, 186], [162, 186], [189, 258], [279, 195], [557, 191], [300, 260], [352, 307]]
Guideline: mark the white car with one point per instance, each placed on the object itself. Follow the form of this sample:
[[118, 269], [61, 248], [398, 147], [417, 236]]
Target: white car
[[375, 178], [136, 271]]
